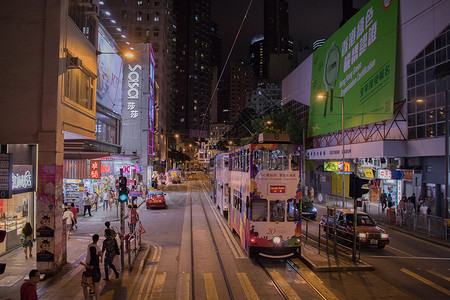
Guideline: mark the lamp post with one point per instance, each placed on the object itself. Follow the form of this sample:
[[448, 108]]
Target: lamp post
[[321, 97]]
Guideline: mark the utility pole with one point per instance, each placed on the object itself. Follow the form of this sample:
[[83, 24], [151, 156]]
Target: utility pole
[[122, 228]]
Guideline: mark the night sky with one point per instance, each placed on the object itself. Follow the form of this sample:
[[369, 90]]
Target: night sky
[[308, 21]]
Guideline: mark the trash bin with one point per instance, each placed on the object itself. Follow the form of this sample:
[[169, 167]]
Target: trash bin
[[390, 215]]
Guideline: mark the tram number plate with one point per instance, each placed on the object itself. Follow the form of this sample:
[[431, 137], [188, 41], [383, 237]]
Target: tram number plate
[[374, 242]]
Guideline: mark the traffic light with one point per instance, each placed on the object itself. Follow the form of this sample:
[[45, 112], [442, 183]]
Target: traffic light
[[123, 190], [358, 186], [2, 238]]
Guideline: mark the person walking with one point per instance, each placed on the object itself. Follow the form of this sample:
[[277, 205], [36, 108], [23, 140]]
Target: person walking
[[28, 288], [27, 239], [73, 209], [92, 264], [112, 232], [87, 204], [110, 249], [389, 200], [383, 200], [68, 217]]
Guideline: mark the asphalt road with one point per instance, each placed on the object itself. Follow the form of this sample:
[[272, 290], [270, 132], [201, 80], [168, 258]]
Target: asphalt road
[[408, 268]]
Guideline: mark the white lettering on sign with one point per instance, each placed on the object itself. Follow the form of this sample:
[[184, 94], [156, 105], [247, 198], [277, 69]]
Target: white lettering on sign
[[22, 181], [384, 174], [133, 90]]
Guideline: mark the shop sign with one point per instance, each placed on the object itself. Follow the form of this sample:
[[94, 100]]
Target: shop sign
[[368, 173], [334, 166], [22, 179], [106, 169], [402, 174], [133, 90], [384, 174], [278, 189], [96, 167], [5, 175]]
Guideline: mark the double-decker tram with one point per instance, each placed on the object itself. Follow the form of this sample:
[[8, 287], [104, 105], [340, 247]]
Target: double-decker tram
[[222, 183], [264, 194]]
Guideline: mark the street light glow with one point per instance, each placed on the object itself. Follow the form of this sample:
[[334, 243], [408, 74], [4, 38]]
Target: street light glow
[[177, 135], [320, 96], [128, 54]]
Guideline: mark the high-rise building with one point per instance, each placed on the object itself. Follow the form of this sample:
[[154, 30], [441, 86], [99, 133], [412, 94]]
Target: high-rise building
[[132, 23], [256, 53], [278, 46], [192, 71], [241, 85]]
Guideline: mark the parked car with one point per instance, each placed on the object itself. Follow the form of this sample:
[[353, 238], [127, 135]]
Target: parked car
[[309, 210], [368, 233], [155, 199]]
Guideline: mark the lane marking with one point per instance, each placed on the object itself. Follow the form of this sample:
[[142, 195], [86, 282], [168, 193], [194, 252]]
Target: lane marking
[[439, 274], [210, 286], [314, 281], [290, 293], [408, 257], [158, 286], [398, 250], [249, 292], [426, 281], [184, 284]]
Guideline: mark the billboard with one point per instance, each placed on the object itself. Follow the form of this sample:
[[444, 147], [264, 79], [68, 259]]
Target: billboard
[[356, 65], [110, 72]]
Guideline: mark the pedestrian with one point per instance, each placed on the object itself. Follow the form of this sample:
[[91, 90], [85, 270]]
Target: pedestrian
[[87, 204], [68, 217], [28, 288], [424, 208], [111, 249], [390, 202], [92, 265], [95, 197], [105, 199], [73, 209], [111, 231], [409, 208], [383, 199], [27, 239]]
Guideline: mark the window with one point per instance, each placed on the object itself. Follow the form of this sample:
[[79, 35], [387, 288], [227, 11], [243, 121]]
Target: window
[[156, 16], [139, 16], [277, 211], [259, 210], [292, 210], [139, 3], [79, 87]]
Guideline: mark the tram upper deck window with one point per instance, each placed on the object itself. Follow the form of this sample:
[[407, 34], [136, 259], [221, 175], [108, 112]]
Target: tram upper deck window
[[296, 161], [259, 210], [277, 211], [277, 160], [258, 160], [292, 210], [225, 162]]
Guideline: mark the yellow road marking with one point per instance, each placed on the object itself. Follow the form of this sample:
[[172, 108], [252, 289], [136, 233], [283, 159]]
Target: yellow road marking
[[183, 292], [155, 258], [313, 280], [439, 274], [290, 293], [150, 283], [210, 286], [158, 286], [247, 286], [426, 281]]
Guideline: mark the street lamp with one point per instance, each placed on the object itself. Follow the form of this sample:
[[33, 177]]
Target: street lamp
[[120, 53], [322, 97]]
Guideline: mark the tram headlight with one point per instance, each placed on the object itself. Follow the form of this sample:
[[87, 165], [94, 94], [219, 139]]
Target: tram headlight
[[276, 240]]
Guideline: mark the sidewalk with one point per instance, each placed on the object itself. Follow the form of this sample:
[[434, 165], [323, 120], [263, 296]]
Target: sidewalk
[[66, 284]]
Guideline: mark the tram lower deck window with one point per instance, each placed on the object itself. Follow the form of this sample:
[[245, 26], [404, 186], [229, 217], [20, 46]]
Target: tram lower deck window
[[277, 211], [259, 210]]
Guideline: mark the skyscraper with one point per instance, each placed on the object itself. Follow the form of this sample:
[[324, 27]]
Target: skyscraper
[[241, 85], [192, 72]]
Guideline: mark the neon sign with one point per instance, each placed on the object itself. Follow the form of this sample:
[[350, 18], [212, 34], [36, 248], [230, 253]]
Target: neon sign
[[22, 181], [133, 90], [96, 167]]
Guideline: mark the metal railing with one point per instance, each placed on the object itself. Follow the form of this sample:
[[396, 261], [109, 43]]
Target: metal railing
[[134, 242], [430, 225]]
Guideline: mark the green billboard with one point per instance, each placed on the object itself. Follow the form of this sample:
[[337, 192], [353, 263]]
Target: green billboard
[[356, 65]]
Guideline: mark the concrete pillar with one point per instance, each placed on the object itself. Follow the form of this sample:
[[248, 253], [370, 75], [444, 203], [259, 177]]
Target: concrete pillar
[[51, 243]]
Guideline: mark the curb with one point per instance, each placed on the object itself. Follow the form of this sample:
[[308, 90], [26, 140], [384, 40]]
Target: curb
[[139, 270], [362, 266]]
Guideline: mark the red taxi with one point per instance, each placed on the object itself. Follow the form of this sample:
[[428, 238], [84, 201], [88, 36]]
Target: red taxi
[[156, 199]]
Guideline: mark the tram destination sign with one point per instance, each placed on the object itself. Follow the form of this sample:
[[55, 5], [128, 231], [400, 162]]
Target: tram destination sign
[[5, 175]]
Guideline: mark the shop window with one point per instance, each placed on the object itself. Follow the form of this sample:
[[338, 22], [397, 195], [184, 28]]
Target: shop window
[[429, 61], [420, 78], [441, 56], [431, 116], [421, 118]]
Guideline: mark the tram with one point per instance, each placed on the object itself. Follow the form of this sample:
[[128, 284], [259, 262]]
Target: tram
[[260, 186]]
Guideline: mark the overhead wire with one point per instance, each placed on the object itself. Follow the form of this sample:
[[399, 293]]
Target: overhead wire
[[225, 65]]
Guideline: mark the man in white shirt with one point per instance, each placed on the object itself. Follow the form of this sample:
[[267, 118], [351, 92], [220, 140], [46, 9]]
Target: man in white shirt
[[69, 218]]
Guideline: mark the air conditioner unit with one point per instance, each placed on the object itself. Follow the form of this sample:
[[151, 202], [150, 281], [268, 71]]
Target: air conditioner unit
[[73, 62]]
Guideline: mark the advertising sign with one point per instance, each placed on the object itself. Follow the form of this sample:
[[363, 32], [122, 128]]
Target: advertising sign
[[356, 65], [336, 166], [96, 167], [278, 189], [23, 179], [110, 73]]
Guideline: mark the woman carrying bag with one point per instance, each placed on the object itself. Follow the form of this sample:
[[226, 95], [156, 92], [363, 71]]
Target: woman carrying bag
[[27, 239]]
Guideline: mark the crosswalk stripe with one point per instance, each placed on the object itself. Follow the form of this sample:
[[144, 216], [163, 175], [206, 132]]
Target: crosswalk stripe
[[210, 286], [290, 293], [247, 286], [426, 281], [158, 286], [439, 274]]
